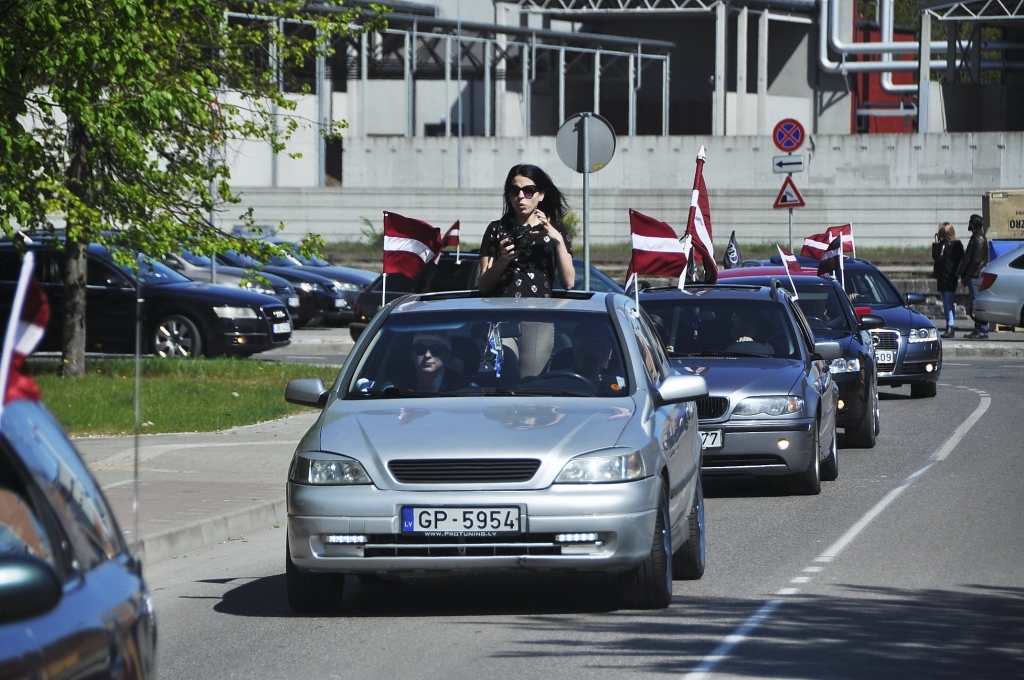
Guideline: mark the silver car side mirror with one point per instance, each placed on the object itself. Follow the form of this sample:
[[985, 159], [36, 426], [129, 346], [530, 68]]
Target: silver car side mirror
[[677, 388], [306, 392], [828, 350]]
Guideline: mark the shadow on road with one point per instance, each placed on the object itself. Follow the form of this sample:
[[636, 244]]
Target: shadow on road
[[743, 486]]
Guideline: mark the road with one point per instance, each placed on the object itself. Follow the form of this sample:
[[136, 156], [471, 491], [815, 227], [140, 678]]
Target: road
[[886, 574]]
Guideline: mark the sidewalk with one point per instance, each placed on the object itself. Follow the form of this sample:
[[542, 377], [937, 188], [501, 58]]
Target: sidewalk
[[999, 345], [197, 489]]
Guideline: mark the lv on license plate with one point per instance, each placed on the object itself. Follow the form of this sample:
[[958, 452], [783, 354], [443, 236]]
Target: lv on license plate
[[460, 521]]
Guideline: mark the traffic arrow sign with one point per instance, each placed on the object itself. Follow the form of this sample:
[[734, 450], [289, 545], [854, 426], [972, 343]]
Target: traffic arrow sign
[[787, 164], [788, 196]]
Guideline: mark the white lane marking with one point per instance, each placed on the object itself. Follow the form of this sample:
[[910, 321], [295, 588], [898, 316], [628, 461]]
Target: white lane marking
[[722, 651], [800, 579], [950, 363], [813, 570], [114, 485]]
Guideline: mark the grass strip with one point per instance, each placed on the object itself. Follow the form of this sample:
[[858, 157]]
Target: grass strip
[[204, 395]]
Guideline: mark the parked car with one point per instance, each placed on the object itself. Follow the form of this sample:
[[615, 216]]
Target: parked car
[[1001, 293], [772, 401], [73, 603], [200, 268], [591, 463], [451, 272], [319, 298], [830, 315], [181, 318]]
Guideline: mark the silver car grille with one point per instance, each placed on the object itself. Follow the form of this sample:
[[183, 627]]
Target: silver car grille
[[887, 340], [463, 470], [392, 545]]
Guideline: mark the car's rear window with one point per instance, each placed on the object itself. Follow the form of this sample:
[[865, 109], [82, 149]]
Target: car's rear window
[[500, 352], [701, 326]]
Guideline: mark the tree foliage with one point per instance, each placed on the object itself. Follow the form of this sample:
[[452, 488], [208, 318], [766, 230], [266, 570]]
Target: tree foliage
[[115, 114]]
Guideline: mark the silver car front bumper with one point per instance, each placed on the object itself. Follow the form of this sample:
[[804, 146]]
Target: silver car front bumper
[[623, 516], [753, 448]]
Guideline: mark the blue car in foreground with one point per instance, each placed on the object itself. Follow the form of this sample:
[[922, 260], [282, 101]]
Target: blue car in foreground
[[73, 603]]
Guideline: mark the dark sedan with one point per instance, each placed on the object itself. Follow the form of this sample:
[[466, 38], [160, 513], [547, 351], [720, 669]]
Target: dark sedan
[[832, 317], [451, 272], [181, 318], [73, 603]]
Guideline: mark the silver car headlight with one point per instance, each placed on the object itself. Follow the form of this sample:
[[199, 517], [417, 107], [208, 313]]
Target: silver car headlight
[[235, 312], [329, 471], [344, 286], [770, 406], [923, 334], [841, 365], [257, 288], [602, 468]]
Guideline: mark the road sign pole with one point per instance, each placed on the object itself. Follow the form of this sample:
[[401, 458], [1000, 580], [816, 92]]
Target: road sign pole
[[585, 132], [790, 230]]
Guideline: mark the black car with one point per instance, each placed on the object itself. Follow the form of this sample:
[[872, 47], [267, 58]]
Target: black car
[[181, 318], [73, 603], [772, 401], [319, 296], [451, 272], [200, 268], [832, 317], [348, 281]]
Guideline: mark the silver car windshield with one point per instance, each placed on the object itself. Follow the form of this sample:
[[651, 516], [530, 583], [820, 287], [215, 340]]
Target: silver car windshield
[[504, 352], [723, 326]]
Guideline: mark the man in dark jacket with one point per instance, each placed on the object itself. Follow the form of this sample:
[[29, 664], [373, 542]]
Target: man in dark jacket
[[969, 271]]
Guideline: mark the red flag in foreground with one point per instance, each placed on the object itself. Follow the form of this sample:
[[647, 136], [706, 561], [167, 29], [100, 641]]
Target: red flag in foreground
[[789, 260], [408, 244], [30, 312], [698, 224], [451, 237], [815, 245], [656, 248], [832, 260]]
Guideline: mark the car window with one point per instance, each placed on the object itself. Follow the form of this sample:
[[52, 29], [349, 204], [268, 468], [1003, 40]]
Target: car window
[[1017, 263], [803, 325], [193, 259], [822, 307], [102, 275], [10, 264], [71, 491], [22, 531], [695, 326], [650, 347], [152, 272], [868, 287], [504, 352], [447, 275]]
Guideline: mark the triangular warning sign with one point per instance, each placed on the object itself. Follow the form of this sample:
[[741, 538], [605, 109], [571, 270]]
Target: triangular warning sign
[[788, 196]]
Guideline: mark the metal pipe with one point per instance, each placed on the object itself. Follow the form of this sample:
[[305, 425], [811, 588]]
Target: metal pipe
[[488, 46], [762, 73], [561, 86], [631, 86], [718, 100], [407, 67], [525, 53], [597, 81], [742, 24], [321, 115], [666, 81], [885, 8], [924, 76], [448, 86], [364, 75]]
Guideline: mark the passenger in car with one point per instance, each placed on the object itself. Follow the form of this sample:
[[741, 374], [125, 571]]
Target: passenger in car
[[431, 352]]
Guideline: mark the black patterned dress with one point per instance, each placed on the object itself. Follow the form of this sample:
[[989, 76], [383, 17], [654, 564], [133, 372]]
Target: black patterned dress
[[533, 272]]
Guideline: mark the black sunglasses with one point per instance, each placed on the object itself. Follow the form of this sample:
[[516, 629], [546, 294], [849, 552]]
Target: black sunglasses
[[529, 191], [421, 348]]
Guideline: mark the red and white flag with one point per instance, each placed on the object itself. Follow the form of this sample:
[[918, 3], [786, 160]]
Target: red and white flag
[[789, 260], [30, 312], [815, 245], [656, 248], [698, 224], [408, 244], [451, 237], [832, 259]]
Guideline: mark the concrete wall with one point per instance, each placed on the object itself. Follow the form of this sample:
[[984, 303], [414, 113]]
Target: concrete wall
[[895, 189]]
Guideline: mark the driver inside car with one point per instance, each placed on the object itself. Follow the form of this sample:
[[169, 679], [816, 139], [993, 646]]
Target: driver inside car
[[593, 350], [431, 352]]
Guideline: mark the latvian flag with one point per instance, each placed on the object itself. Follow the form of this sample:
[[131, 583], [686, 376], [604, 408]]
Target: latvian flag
[[816, 244], [698, 224], [789, 260], [656, 248], [30, 312], [450, 238], [832, 260], [408, 244]]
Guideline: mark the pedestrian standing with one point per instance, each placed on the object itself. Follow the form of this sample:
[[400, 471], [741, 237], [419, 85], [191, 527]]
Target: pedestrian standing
[[974, 260], [523, 252], [947, 252]]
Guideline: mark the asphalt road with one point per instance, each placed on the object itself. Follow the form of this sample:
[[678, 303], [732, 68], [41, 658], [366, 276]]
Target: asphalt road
[[911, 565]]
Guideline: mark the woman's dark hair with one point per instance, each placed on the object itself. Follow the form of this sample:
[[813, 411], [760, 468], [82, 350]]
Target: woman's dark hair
[[553, 205]]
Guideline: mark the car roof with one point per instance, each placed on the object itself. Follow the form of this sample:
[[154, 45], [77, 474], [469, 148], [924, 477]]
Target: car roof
[[729, 291], [472, 301], [762, 273]]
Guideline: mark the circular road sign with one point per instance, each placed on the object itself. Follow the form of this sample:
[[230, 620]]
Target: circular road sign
[[568, 142], [788, 135]]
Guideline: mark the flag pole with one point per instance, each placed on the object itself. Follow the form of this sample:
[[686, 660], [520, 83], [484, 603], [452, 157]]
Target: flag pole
[[17, 305], [789, 275], [383, 289], [842, 274], [854, 244]]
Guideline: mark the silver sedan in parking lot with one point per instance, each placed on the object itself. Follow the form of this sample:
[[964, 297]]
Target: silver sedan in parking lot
[[472, 435]]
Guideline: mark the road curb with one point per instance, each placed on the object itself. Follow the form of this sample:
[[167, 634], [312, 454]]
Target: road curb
[[983, 349], [210, 531]]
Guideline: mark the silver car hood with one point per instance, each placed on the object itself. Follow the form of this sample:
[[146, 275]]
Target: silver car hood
[[738, 377], [553, 430]]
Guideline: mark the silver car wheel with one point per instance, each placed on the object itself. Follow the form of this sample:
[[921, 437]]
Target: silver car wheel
[[176, 336]]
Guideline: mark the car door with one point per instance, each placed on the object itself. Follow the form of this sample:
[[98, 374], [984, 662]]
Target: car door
[[109, 308], [817, 377]]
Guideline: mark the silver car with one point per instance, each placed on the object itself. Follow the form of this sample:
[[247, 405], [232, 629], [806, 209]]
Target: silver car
[[473, 435]]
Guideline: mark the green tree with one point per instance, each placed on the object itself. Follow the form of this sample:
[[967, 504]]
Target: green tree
[[114, 112]]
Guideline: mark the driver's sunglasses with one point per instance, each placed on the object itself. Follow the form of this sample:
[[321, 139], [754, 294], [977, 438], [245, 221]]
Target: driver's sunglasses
[[422, 348], [529, 191]]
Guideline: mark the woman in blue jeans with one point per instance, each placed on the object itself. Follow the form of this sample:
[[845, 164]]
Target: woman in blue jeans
[[947, 251]]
